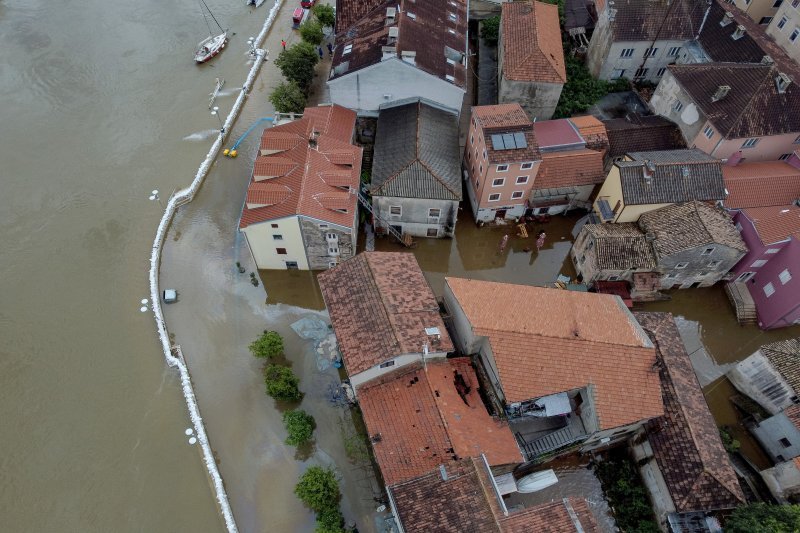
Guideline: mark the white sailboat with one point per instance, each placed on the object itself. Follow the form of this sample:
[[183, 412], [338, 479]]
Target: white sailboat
[[213, 44]]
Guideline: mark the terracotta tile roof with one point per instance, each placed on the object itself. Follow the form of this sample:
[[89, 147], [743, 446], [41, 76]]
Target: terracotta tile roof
[[775, 224], [466, 503], [685, 442], [593, 132], [417, 153], [680, 176], [459, 504], [681, 227], [595, 337], [753, 107], [785, 358], [793, 414], [620, 247], [292, 181], [644, 20], [531, 42], [380, 305], [565, 516], [430, 32], [570, 168], [423, 421], [500, 116], [762, 184], [641, 134]]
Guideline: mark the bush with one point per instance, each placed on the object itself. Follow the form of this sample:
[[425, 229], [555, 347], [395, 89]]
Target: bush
[[297, 64], [626, 495], [325, 15], [582, 90], [330, 521], [764, 518], [490, 30], [300, 426], [282, 383], [731, 445], [268, 345], [318, 489], [311, 32]]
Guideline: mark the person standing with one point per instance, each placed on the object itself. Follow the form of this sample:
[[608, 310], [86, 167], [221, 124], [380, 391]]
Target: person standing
[[283, 43], [319, 50], [330, 49], [540, 240]]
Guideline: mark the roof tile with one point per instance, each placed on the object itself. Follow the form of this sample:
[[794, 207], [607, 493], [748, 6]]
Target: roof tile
[[761, 184], [680, 227], [775, 224], [531, 42]]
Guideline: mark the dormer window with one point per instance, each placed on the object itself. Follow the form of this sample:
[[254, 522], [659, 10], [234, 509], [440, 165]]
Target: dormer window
[[347, 49], [452, 17]]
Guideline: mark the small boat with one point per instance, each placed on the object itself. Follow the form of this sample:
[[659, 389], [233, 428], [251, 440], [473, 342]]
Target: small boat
[[256, 3], [210, 47], [536, 481], [213, 44]]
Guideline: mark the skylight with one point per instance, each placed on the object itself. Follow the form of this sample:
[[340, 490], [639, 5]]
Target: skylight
[[509, 141]]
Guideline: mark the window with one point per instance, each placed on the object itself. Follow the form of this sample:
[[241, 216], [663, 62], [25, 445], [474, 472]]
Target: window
[[387, 364], [650, 52], [618, 73], [434, 212], [323, 226], [782, 22], [331, 237], [703, 274], [501, 168], [291, 265], [522, 180], [681, 266], [333, 250], [745, 276], [274, 225], [448, 77], [738, 226], [749, 143], [758, 263], [672, 275], [332, 264], [765, 20], [396, 210], [713, 264], [433, 232], [626, 52], [516, 194], [795, 3], [708, 251], [452, 17], [772, 250], [525, 166], [494, 197], [784, 157], [281, 251], [769, 289], [785, 442], [484, 155], [477, 184], [613, 278], [785, 277], [777, 3], [277, 237], [797, 141], [640, 72], [674, 51], [678, 106], [347, 49], [498, 182], [660, 72], [480, 168], [708, 132], [794, 34]]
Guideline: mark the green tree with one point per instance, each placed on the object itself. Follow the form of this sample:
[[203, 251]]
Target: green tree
[[582, 90], [764, 518], [297, 64], [311, 32], [490, 30], [325, 15], [330, 521], [268, 345], [730, 444], [318, 489], [282, 383], [300, 426], [288, 98]]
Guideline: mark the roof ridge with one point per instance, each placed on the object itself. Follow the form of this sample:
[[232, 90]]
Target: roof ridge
[[746, 107], [605, 343], [436, 176]]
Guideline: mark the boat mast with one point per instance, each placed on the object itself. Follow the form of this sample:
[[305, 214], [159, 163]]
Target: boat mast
[[212, 16]]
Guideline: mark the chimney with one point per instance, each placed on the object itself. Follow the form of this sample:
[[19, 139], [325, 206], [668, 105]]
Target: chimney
[[722, 92], [648, 170], [409, 56], [726, 19], [739, 33], [782, 82], [767, 60], [394, 31], [312, 140], [391, 12]]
